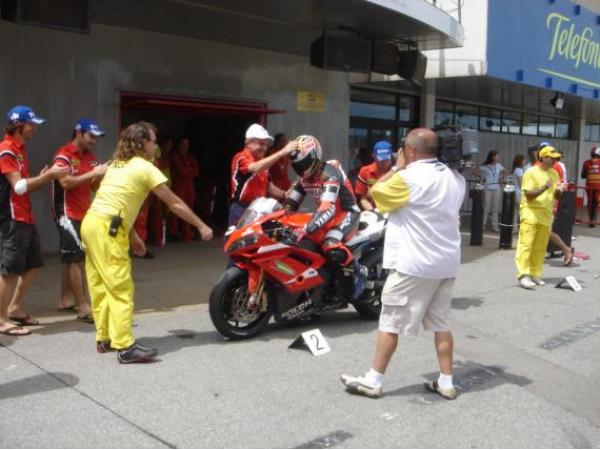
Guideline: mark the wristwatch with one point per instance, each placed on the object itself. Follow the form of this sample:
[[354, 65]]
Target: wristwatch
[[395, 169]]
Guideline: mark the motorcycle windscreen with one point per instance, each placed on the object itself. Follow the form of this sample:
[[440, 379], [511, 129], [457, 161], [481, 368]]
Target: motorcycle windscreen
[[258, 208]]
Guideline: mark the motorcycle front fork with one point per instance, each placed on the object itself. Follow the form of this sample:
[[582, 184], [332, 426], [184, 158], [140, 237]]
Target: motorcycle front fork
[[259, 298]]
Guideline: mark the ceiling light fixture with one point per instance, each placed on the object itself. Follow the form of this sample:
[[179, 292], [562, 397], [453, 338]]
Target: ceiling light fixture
[[558, 101]]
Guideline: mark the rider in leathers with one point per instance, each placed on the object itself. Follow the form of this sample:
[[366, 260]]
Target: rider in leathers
[[337, 213]]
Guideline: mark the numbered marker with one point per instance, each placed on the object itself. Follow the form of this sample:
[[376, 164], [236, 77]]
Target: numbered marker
[[574, 284], [314, 340]]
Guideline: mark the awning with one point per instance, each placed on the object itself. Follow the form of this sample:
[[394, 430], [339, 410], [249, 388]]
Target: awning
[[284, 26]]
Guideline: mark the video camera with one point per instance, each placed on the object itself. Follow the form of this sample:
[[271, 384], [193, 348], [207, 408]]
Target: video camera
[[457, 147]]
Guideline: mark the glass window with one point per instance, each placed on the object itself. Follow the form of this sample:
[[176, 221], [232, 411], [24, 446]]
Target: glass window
[[547, 127], [511, 122], [467, 116], [490, 120], [372, 110], [406, 109], [592, 132], [530, 125], [563, 129], [370, 96], [587, 134], [444, 114], [373, 104]]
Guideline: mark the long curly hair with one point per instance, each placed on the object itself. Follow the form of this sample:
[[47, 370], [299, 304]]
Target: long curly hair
[[132, 140]]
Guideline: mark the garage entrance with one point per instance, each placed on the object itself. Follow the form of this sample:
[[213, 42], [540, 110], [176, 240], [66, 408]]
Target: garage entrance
[[216, 132]]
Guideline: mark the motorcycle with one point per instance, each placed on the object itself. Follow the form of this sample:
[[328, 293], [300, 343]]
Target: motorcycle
[[273, 275]]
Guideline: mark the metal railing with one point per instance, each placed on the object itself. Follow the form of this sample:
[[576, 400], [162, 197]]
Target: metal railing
[[450, 7]]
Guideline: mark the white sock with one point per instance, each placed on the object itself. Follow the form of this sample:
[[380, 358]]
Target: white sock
[[374, 378], [445, 381]]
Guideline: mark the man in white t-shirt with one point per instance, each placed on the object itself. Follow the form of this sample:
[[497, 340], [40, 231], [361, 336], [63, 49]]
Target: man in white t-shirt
[[421, 253]]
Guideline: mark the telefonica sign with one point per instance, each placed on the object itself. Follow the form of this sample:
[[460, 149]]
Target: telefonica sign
[[553, 44], [571, 44]]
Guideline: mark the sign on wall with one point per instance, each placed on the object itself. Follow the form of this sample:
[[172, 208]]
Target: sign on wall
[[552, 44], [308, 101]]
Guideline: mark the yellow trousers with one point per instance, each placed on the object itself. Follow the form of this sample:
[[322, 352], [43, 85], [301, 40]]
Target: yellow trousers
[[531, 249], [108, 272]]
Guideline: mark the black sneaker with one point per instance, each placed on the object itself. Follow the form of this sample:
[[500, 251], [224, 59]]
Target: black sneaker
[[104, 347], [136, 354]]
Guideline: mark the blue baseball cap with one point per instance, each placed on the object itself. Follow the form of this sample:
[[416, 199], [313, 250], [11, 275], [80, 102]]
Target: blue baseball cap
[[22, 113], [89, 126], [382, 151]]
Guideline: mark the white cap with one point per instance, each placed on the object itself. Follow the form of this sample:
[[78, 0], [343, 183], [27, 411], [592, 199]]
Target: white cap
[[256, 131], [597, 151]]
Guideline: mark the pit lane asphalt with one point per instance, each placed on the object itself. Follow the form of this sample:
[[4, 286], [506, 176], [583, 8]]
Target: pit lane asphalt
[[527, 367]]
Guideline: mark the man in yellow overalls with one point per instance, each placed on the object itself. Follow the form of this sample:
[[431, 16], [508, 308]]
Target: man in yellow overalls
[[107, 231], [540, 186]]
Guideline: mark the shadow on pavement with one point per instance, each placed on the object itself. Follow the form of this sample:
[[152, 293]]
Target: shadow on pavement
[[466, 302], [331, 325], [181, 338], [468, 377], [37, 383]]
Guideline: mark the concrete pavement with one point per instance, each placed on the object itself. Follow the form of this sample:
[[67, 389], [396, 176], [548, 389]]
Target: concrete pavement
[[526, 364]]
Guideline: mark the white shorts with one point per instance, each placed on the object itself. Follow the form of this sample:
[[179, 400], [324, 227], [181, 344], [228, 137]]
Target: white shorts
[[408, 301]]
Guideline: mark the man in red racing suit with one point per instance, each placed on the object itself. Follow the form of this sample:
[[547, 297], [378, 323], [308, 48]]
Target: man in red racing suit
[[337, 215]]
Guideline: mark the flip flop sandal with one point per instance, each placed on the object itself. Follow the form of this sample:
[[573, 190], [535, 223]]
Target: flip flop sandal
[[11, 331], [570, 260], [71, 308], [87, 318], [26, 321]]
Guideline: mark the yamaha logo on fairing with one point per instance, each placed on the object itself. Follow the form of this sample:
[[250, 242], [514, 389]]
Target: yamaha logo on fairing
[[297, 310]]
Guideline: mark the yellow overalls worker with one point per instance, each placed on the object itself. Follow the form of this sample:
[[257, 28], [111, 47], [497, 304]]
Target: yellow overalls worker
[[107, 231], [539, 187]]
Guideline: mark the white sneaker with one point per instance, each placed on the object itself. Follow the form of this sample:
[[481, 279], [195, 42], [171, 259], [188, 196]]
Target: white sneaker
[[538, 281], [526, 282], [360, 385], [447, 393]]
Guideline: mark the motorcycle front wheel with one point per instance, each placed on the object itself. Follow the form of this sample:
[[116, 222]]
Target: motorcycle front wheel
[[228, 307]]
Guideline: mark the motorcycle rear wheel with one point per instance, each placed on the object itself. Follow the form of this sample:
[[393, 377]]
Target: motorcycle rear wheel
[[227, 307], [368, 304]]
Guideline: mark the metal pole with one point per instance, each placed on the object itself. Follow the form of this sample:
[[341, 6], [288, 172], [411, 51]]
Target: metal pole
[[507, 216], [477, 215]]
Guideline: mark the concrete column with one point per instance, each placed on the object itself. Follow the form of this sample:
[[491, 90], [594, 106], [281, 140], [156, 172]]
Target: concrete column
[[583, 146], [427, 109]]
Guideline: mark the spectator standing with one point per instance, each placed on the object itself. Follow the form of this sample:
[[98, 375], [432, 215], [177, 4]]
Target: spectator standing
[[20, 249], [561, 171], [279, 170], [591, 173], [492, 174], [423, 199], [71, 198], [539, 189], [184, 170], [369, 174], [107, 232], [249, 171]]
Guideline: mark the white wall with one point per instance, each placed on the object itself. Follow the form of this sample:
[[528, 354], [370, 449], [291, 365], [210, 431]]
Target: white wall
[[470, 59], [64, 76]]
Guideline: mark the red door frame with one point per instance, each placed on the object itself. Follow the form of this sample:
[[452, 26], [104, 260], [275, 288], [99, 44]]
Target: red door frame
[[144, 100]]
